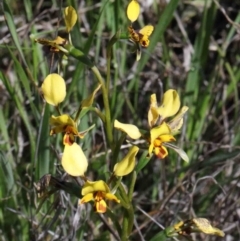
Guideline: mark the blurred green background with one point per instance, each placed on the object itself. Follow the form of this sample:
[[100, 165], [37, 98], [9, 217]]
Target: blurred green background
[[195, 49]]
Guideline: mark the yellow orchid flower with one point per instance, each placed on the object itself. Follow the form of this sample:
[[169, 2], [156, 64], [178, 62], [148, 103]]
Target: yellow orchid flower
[[195, 225], [74, 161], [61, 123], [159, 136], [54, 89], [161, 132], [142, 36], [97, 191], [169, 107]]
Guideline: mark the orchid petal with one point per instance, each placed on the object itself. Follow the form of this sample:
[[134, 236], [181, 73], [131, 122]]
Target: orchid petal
[[180, 152], [138, 52], [90, 187], [162, 129], [54, 89], [170, 104], [133, 10], [176, 123], [70, 17], [167, 138], [89, 100], [202, 225], [74, 161], [61, 120], [127, 164], [131, 130], [161, 152], [87, 198], [53, 43], [153, 111], [100, 206], [112, 197]]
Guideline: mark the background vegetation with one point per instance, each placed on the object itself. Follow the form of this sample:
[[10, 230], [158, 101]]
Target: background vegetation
[[195, 49]]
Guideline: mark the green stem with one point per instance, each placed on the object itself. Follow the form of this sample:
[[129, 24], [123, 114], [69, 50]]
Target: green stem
[[109, 53], [78, 113], [132, 185], [130, 219], [57, 109], [124, 236], [112, 41], [29, 73], [100, 114], [117, 150], [78, 54], [128, 215], [127, 223], [108, 124], [123, 193]]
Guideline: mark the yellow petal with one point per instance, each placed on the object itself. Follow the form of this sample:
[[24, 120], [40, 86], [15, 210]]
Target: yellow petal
[[156, 132], [74, 161], [150, 149], [60, 41], [89, 100], [127, 164], [112, 197], [43, 41], [199, 225], [54, 89], [63, 123], [138, 52], [204, 226], [87, 198], [167, 138], [52, 43], [133, 10], [57, 129], [146, 30], [161, 152], [68, 139], [153, 112], [90, 187], [131, 130], [70, 17], [134, 35], [176, 123], [100, 206], [62, 120], [170, 104], [144, 41]]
